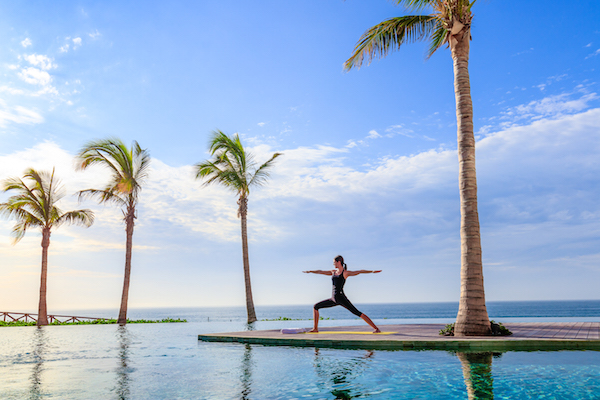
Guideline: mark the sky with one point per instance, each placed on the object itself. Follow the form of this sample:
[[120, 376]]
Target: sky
[[369, 167]]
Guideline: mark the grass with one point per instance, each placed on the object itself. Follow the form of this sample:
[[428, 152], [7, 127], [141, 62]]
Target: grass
[[101, 321]]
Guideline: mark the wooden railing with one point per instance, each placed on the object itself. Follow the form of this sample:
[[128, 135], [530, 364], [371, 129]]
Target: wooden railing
[[8, 316]]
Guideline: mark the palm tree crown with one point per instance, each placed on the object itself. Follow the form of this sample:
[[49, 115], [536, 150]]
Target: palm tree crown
[[35, 205], [448, 19], [129, 169], [233, 167]]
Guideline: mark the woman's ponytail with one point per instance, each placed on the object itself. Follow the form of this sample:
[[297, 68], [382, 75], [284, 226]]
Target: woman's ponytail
[[341, 259]]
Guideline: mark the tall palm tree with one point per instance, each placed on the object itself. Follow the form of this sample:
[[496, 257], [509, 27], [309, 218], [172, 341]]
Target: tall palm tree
[[233, 167], [34, 206], [129, 169], [449, 23]]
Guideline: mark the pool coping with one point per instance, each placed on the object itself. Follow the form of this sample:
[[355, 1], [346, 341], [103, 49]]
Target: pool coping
[[526, 337]]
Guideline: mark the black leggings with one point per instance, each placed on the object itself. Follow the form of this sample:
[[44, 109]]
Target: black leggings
[[338, 300]]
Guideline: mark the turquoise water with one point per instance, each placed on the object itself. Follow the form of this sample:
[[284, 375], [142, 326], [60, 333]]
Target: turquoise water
[[166, 361]]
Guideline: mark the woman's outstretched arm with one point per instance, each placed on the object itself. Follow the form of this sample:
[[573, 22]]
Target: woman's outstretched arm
[[361, 271], [318, 271]]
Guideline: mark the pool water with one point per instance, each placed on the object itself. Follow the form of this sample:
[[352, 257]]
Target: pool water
[[166, 361]]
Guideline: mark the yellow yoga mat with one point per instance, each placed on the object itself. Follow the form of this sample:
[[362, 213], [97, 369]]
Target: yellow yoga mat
[[350, 333]]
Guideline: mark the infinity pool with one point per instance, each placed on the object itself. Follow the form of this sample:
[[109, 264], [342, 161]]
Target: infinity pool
[[166, 361]]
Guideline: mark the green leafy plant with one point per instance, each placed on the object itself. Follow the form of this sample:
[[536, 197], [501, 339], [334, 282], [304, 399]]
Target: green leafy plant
[[499, 330], [448, 330]]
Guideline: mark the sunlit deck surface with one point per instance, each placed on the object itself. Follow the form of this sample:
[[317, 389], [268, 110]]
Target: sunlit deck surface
[[527, 336]]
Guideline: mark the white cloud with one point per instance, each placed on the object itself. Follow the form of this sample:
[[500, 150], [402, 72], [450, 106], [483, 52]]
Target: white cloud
[[44, 62], [76, 43], [556, 105], [95, 34], [64, 49], [26, 42], [261, 124], [35, 76], [373, 134]]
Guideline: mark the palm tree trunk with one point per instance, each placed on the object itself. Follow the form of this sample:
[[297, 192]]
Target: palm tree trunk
[[472, 318], [42, 310], [249, 301], [129, 223]]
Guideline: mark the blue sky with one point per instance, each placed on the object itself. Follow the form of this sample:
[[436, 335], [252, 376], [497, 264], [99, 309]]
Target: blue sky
[[369, 168]]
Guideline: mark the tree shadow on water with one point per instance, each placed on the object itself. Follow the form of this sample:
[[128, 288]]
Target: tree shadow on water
[[246, 373], [122, 389], [477, 373], [40, 345]]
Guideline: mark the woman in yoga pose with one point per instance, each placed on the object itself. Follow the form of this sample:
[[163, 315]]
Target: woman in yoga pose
[[338, 298]]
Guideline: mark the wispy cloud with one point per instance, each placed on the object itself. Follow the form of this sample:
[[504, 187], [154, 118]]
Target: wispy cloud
[[95, 34], [26, 42], [18, 115], [399, 129], [552, 106], [594, 54]]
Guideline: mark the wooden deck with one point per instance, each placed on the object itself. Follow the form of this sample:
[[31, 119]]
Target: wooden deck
[[527, 336]]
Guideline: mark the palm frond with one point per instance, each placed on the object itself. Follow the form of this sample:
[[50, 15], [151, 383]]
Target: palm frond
[[102, 196], [389, 35], [97, 152], [416, 5], [439, 37], [262, 173], [77, 217]]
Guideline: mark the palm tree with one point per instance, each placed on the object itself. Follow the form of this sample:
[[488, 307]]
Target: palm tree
[[34, 206], [128, 169], [449, 23], [235, 169]]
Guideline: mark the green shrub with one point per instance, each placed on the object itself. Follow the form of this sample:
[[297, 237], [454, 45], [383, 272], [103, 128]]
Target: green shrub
[[497, 329]]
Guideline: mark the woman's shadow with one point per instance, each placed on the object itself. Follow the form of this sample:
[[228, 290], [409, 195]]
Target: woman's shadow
[[341, 374]]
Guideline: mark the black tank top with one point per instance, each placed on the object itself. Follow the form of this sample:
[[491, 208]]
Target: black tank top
[[338, 283]]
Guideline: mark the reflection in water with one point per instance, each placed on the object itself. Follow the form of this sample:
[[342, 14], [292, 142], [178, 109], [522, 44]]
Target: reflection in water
[[39, 349], [123, 369], [341, 373], [246, 375], [477, 372]]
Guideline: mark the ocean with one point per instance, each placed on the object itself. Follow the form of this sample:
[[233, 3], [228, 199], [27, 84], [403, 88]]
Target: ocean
[[166, 361]]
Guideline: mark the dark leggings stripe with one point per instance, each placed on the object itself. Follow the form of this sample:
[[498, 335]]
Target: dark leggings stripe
[[338, 300]]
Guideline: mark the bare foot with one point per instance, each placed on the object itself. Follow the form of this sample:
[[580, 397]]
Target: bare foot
[[314, 330], [377, 331]]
